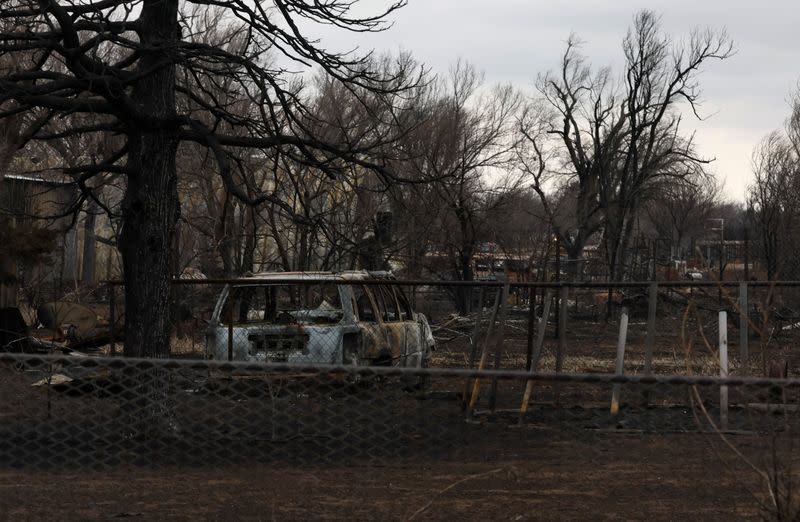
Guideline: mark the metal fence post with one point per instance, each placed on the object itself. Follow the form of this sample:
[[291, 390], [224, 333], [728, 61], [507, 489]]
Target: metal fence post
[[723, 369], [744, 331], [620, 369], [746, 256], [650, 340], [562, 328], [562, 337], [112, 317], [230, 324]]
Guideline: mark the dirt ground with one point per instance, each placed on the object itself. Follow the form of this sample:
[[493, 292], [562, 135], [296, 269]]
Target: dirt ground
[[616, 476]]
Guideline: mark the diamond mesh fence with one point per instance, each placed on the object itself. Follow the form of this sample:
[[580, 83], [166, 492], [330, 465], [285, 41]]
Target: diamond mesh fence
[[452, 391], [100, 413]]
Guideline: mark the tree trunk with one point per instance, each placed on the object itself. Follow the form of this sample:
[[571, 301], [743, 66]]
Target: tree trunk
[[150, 207], [574, 247], [89, 245]]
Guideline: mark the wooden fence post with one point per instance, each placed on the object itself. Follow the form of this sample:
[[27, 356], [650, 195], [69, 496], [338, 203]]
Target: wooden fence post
[[476, 382], [498, 348], [537, 352], [473, 353], [562, 338], [531, 325], [620, 369]]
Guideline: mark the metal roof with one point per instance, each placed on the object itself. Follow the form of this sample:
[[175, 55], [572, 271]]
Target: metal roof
[[46, 179]]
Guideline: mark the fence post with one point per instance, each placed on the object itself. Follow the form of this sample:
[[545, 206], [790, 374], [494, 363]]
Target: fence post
[[230, 323], [558, 275], [623, 334], [537, 352], [112, 317], [531, 323], [746, 256], [744, 325], [562, 328], [498, 348], [473, 353], [723, 369], [535, 359], [655, 256], [562, 338], [476, 382], [650, 341]]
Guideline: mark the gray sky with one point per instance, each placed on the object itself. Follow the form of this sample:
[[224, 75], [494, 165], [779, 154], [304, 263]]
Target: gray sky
[[512, 41]]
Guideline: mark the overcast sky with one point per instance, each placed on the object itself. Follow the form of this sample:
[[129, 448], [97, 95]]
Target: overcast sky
[[512, 41]]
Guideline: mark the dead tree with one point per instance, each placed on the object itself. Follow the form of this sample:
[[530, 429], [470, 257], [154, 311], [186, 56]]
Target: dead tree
[[609, 146], [467, 135], [772, 201], [133, 68]]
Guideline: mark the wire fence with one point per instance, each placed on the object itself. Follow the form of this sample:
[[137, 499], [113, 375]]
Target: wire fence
[[381, 374], [99, 413], [671, 327]]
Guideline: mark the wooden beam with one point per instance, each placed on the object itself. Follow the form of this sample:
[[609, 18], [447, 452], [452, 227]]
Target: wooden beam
[[537, 353], [498, 347]]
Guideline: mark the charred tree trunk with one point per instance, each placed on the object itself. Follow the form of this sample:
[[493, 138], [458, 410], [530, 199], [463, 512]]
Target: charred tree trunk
[[89, 245], [150, 207]]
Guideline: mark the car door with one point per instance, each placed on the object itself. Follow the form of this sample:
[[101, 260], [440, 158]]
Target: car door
[[393, 325], [416, 342], [372, 335]]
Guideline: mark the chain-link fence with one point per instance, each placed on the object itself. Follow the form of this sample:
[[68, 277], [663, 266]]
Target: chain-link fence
[[98, 414], [671, 328], [478, 382]]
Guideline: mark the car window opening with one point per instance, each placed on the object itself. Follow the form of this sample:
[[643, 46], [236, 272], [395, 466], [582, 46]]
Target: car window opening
[[284, 304]]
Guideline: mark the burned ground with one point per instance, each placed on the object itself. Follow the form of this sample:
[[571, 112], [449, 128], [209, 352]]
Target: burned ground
[[545, 477]]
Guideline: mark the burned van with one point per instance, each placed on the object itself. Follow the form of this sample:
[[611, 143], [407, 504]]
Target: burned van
[[318, 318]]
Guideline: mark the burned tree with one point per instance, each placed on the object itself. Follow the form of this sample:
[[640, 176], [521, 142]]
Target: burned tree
[[133, 69], [613, 145], [467, 135], [773, 203]]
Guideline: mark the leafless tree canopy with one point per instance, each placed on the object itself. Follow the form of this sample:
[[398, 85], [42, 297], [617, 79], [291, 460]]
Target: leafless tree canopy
[[608, 144], [162, 73], [773, 201], [219, 136]]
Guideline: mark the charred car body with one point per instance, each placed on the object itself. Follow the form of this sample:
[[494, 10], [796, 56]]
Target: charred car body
[[318, 318]]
